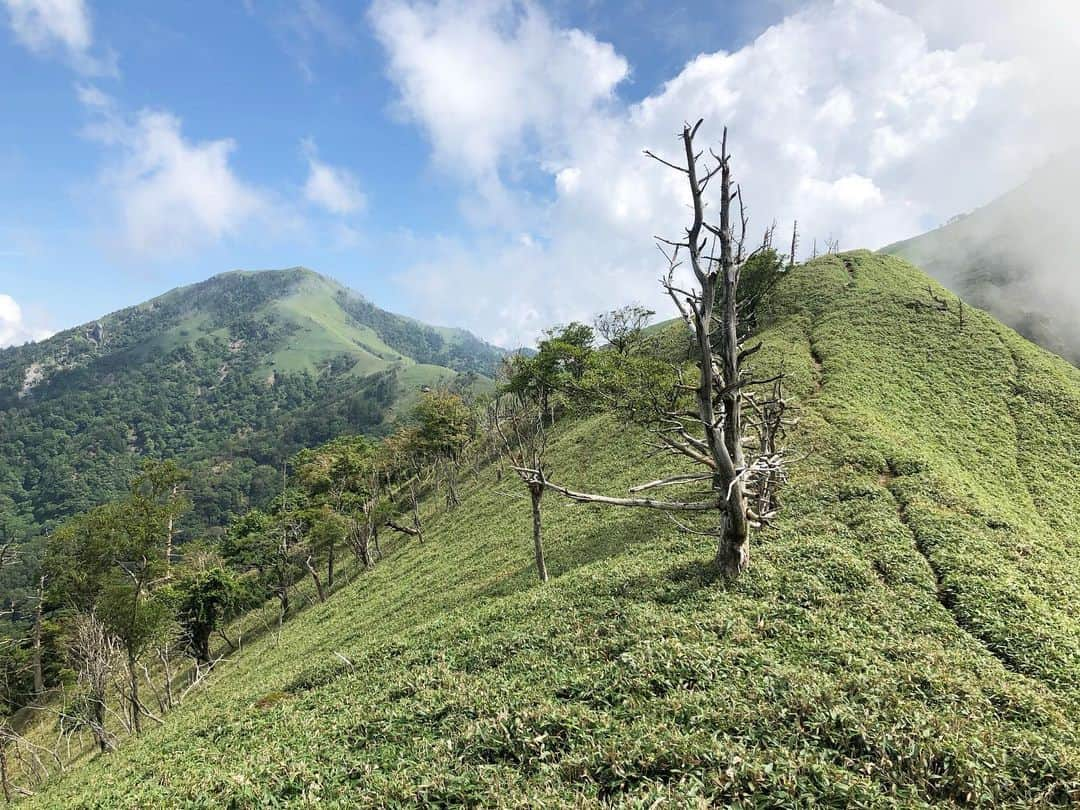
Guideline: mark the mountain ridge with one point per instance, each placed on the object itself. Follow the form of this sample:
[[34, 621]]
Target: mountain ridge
[[906, 636], [1017, 256], [231, 374]]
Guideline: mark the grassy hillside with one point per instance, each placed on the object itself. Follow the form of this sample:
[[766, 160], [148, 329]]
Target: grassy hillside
[[907, 634], [230, 376], [1015, 257]]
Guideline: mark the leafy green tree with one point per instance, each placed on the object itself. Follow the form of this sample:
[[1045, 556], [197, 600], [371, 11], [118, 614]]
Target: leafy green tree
[[162, 482], [340, 475], [257, 541], [622, 328], [108, 562], [207, 599], [445, 426]]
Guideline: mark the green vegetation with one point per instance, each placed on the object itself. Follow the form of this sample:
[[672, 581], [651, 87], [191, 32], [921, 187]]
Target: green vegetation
[[229, 377], [907, 634]]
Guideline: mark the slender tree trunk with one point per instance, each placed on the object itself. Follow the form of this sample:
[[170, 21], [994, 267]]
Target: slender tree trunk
[[330, 565], [4, 773], [416, 513], [170, 532], [315, 578], [97, 725], [166, 665], [452, 499], [283, 598], [536, 492], [136, 706], [39, 680]]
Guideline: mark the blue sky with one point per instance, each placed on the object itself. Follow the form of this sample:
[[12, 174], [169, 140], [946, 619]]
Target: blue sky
[[471, 163]]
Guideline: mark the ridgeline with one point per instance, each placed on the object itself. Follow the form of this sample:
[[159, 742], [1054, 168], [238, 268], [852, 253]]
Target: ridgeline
[[907, 635]]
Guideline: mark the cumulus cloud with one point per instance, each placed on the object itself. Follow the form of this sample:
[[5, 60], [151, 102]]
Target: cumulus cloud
[[844, 115], [14, 328], [44, 26], [172, 195], [331, 187], [492, 82]]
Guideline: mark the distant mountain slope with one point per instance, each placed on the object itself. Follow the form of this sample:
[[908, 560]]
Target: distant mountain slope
[[230, 375], [908, 634], [1018, 257]]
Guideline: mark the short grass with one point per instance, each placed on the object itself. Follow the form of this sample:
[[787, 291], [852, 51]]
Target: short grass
[[907, 635], [324, 331]]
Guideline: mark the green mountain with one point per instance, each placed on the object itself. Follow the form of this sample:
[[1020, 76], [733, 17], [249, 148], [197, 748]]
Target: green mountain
[[1016, 257], [230, 376], [908, 634]]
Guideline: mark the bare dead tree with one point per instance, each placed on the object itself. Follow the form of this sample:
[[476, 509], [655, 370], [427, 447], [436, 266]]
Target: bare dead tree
[[794, 244], [770, 235], [95, 655], [39, 606], [711, 431], [520, 427]]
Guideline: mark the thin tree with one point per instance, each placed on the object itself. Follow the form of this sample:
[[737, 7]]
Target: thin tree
[[94, 654], [519, 424], [36, 663], [794, 244], [711, 429]]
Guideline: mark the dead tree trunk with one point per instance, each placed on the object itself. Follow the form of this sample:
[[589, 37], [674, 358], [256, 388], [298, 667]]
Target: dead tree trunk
[[133, 685], [4, 780], [330, 565], [319, 589], [39, 680], [709, 432], [794, 244], [536, 492], [170, 531], [523, 437], [415, 512]]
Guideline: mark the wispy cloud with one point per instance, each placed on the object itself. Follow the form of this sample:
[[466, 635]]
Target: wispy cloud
[[59, 26], [304, 28], [171, 195], [331, 187]]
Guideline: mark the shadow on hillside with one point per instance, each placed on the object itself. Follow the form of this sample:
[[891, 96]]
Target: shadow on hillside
[[628, 532]]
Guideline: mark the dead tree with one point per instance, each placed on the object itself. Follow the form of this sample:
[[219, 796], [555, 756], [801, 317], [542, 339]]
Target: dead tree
[[520, 427], [711, 428], [95, 653], [794, 244], [39, 680]]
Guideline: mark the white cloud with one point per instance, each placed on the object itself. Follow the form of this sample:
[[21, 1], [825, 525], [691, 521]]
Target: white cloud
[[492, 81], [847, 115], [65, 25], [171, 195], [14, 328], [331, 187]]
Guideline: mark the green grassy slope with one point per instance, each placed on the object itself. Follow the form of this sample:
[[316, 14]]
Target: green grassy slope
[[907, 634]]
